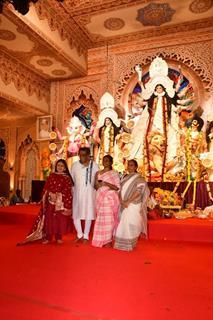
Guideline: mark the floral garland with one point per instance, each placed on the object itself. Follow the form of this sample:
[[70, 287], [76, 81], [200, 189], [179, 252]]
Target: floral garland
[[65, 148], [167, 197], [83, 141], [188, 156], [165, 127], [146, 146], [102, 146], [189, 153]]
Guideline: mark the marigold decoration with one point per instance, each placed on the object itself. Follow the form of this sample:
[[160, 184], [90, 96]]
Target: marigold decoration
[[53, 157], [111, 139], [45, 163], [53, 135], [126, 137], [167, 198], [193, 150], [130, 124], [52, 146]]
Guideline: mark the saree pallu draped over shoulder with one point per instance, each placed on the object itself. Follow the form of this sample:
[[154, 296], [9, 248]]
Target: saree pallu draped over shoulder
[[133, 219], [55, 213], [107, 207]]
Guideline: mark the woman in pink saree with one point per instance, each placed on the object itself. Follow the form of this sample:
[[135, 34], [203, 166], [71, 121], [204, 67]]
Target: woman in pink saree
[[134, 195], [107, 183]]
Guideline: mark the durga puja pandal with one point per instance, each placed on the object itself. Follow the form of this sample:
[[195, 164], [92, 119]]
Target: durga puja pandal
[[163, 128]]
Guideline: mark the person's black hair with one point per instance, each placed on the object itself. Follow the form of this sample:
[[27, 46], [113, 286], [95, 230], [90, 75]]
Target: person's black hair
[[169, 100], [134, 161], [208, 131], [116, 129], [160, 85], [199, 120], [110, 158], [84, 149], [65, 165]]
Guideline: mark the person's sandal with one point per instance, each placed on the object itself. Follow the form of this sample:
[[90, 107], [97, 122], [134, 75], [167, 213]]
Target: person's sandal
[[77, 240], [108, 245], [45, 242]]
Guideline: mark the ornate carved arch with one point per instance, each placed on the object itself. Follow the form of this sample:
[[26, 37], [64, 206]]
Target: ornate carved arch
[[32, 146], [5, 136], [196, 60], [188, 73], [87, 90], [25, 150], [82, 95]]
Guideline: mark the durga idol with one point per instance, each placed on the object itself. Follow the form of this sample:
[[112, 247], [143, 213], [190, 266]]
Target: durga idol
[[159, 117]]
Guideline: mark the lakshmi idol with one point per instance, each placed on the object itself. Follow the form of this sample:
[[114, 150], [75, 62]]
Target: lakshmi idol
[[156, 134], [107, 128]]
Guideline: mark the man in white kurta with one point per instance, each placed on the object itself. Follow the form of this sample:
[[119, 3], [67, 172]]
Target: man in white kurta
[[83, 175]]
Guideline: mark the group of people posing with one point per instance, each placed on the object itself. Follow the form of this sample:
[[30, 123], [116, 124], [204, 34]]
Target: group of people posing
[[118, 206]]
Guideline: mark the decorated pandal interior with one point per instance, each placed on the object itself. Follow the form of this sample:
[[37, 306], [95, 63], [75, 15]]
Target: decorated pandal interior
[[162, 129], [132, 79]]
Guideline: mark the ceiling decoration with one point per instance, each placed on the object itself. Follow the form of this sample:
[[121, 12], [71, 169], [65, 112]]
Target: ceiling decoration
[[114, 23], [79, 25], [200, 6], [155, 14], [7, 35], [19, 5], [47, 65], [61, 20], [82, 7], [59, 72], [32, 48], [44, 62], [51, 41], [11, 37], [13, 72], [22, 6], [141, 19]]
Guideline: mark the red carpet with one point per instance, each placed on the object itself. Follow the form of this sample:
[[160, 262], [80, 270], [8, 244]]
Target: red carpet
[[160, 280], [194, 230], [19, 213]]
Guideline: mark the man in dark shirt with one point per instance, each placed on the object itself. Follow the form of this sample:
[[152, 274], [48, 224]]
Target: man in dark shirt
[[16, 198]]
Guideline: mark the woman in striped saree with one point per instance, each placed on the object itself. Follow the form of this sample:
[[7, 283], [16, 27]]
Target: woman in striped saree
[[133, 196], [107, 183]]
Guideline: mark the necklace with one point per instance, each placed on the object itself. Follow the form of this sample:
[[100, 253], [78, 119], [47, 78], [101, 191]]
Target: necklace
[[89, 173]]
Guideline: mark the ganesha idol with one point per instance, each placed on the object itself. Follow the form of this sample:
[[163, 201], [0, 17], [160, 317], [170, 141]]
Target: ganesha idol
[[75, 139]]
